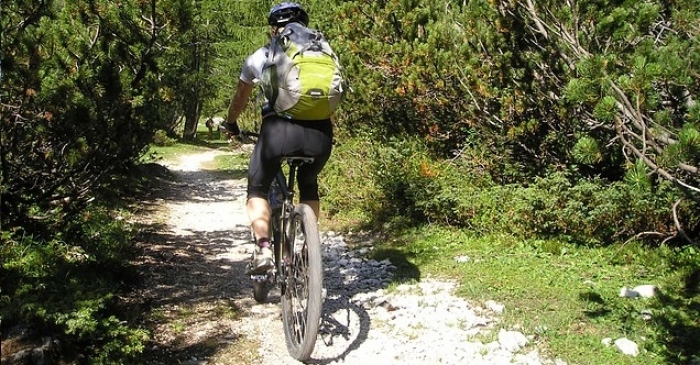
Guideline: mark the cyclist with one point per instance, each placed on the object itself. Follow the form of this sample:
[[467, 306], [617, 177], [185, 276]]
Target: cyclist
[[278, 137]]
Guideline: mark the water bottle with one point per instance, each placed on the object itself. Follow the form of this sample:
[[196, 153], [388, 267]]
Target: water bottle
[[274, 197]]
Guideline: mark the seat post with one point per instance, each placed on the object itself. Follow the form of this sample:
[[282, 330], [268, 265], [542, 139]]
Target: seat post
[[291, 178], [294, 163]]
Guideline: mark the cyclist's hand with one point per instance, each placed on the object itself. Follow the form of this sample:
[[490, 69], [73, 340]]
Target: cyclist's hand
[[230, 128]]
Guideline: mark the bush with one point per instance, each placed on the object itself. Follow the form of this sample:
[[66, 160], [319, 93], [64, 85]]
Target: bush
[[403, 183], [161, 139], [346, 185], [590, 211], [67, 286], [536, 105]]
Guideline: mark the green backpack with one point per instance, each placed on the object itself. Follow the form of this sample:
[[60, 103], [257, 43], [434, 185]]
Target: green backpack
[[302, 78]]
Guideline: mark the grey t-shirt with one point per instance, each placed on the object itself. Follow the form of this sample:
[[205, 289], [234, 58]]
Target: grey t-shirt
[[253, 65]]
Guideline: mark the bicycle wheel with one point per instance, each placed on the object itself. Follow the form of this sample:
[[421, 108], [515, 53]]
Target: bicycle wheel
[[301, 302]]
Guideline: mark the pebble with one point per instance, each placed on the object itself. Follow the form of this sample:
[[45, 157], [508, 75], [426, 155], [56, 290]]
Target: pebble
[[644, 291], [627, 347]]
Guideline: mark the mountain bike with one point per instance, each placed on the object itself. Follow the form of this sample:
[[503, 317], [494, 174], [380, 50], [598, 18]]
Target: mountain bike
[[298, 265]]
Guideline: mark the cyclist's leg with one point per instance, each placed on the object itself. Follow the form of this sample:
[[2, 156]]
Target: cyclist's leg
[[259, 214], [318, 139], [264, 166], [261, 171], [258, 209]]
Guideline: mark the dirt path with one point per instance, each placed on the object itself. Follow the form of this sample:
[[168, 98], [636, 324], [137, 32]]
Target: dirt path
[[203, 311], [193, 265]]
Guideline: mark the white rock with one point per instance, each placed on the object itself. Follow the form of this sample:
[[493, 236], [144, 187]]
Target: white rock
[[496, 307], [627, 347], [626, 292], [462, 259], [645, 291], [511, 341], [403, 288]]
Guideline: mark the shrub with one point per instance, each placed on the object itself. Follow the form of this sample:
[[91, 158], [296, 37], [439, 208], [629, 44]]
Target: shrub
[[404, 183], [591, 211], [347, 187], [67, 285], [161, 139]]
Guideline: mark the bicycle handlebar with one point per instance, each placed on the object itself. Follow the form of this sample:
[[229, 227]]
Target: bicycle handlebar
[[243, 133]]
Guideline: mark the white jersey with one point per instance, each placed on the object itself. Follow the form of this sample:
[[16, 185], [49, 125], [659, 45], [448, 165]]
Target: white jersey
[[253, 65]]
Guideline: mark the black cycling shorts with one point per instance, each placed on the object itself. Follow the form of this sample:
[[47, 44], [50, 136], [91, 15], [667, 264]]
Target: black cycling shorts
[[282, 137]]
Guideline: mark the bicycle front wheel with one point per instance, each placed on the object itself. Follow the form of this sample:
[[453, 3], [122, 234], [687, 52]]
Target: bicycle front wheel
[[301, 302]]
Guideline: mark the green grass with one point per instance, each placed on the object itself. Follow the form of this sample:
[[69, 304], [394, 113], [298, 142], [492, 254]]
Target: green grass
[[172, 153], [235, 162], [567, 296], [165, 148]]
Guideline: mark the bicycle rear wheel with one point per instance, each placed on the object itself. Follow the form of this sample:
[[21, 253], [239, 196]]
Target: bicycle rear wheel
[[301, 302]]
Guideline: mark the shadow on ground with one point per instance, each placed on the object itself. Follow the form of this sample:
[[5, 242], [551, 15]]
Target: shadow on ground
[[188, 283], [190, 277], [677, 317], [345, 321]]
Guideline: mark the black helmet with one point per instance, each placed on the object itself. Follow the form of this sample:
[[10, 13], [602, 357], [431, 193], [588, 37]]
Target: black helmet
[[284, 13]]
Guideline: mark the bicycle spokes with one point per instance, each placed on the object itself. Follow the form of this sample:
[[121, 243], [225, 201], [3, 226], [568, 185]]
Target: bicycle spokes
[[297, 289], [302, 282]]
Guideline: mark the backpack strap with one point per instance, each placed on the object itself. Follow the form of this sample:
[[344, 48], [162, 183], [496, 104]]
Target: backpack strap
[[271, 64], [271, 50]]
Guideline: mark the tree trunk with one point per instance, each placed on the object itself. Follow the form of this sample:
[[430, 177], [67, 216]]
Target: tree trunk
[[191, 119], [192, 102]]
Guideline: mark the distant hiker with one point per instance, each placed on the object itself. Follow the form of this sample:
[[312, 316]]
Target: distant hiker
[[213, 124]]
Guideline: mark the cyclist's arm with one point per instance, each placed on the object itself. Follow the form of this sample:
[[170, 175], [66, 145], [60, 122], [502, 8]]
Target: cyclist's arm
[[246, 83], [239, 100]]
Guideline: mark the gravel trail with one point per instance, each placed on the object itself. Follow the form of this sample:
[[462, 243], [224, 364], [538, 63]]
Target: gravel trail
[[363, 322]]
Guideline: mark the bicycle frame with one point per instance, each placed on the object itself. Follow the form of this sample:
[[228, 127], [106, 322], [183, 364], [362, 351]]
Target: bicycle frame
[[282, 238]]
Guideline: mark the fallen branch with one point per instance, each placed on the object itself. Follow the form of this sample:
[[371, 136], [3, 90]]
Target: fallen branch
[[678, 223]]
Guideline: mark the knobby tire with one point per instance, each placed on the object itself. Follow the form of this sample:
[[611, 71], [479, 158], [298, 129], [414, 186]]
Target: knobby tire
[[301, 302]]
